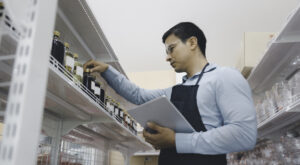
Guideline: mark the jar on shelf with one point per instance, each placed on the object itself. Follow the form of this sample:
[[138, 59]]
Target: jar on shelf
[[58, 48], [78, 69], [69, 58]]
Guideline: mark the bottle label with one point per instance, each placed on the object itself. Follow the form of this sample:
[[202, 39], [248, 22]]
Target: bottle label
[[116, 111], [122, 114], [70, 62], [93, 85], [79, 71], [97, 90]]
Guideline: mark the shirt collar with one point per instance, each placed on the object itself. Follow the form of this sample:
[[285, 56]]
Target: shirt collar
[[184, 78]]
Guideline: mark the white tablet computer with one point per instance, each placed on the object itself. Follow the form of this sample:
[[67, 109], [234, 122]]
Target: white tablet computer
[[162, 112]]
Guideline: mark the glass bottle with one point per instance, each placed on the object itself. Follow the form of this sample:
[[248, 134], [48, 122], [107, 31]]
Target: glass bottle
[[97, 90], [102, 94], [69, 58], [106, 103], [58, 48], [125, 119], [117, 111], [121, 115], [1, 9], [88, 80], [112, 107], [135, 127], [78, 69]]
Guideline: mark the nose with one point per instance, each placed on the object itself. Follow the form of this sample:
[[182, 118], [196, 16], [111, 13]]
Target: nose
[[168, 58]]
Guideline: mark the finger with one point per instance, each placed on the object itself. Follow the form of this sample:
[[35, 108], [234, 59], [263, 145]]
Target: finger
[[151, 141], [95, 69], [154, 126], [146, 134], [88, 63]]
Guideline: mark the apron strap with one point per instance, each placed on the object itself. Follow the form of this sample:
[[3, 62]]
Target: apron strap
[[201, 74]]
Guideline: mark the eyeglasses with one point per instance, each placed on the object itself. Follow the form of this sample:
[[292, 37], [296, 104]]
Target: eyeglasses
[[170, 48]]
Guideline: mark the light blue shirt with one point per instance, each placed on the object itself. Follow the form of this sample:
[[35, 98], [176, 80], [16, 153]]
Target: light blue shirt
[[225, 104]]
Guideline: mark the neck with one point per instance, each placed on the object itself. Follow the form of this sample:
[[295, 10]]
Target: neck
[[196, 65]]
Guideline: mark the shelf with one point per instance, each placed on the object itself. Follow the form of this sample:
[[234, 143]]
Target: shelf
[[276, 65], [67, 100], [148, 153], [281, 119], [85, 28], [291, 30]]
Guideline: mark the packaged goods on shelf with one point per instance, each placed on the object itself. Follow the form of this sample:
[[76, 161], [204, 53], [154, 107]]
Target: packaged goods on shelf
[[78, 69], [97, 90], [69, 58], [58, 48], [89, 80]]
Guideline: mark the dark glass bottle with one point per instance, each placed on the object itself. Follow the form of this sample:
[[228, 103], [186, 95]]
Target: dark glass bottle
[[1, 9], [97, 90], [102, 95], [89, 80], [121, 113], [117, 112], [58, 48]]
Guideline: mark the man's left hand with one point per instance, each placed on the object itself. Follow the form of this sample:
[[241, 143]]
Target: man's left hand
[[164, 138]]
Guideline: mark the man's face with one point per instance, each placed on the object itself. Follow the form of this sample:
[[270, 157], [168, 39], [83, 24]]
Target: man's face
[[177, 53]]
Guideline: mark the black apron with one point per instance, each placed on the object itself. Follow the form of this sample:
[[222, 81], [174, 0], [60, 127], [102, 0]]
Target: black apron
[[185, 99]]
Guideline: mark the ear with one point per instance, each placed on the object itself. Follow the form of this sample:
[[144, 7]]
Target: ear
[[193, 42]]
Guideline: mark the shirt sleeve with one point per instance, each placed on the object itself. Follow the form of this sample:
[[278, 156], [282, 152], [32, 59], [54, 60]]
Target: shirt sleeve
[[239, 130], [129, 90]]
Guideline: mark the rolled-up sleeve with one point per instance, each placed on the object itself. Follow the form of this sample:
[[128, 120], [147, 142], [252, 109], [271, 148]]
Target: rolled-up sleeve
[[129, 90], [239, 129]]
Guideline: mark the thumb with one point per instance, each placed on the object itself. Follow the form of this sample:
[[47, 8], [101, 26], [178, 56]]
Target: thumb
[[154, 126]]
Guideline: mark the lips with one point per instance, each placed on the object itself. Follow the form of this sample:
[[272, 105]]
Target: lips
[[172, 64]]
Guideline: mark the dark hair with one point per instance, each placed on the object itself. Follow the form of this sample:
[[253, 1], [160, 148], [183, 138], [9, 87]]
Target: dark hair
[[184, 31]]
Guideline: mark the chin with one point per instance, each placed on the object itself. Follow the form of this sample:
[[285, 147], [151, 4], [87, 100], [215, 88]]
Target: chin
[[178, 70]]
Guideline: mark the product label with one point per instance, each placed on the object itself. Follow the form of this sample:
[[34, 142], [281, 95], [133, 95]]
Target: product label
[[116, 111], [70, 62], [79, 71], [122, 114], [93, 85], [97, 90]]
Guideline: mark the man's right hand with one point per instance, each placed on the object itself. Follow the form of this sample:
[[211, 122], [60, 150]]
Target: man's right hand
[[96, 66]]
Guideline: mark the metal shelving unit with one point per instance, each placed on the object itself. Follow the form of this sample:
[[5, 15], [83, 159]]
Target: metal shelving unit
[[40, 95], [277, 65]]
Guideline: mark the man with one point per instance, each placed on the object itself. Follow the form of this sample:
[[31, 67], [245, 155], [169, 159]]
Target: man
[[215, 100]]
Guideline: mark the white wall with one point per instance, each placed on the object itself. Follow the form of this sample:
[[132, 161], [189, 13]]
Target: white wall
[[134, 28]]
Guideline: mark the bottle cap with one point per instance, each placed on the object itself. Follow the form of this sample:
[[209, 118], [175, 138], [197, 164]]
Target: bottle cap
[[75, 55], [87, 70], [1, 5], [56, 33], [67, 45]]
